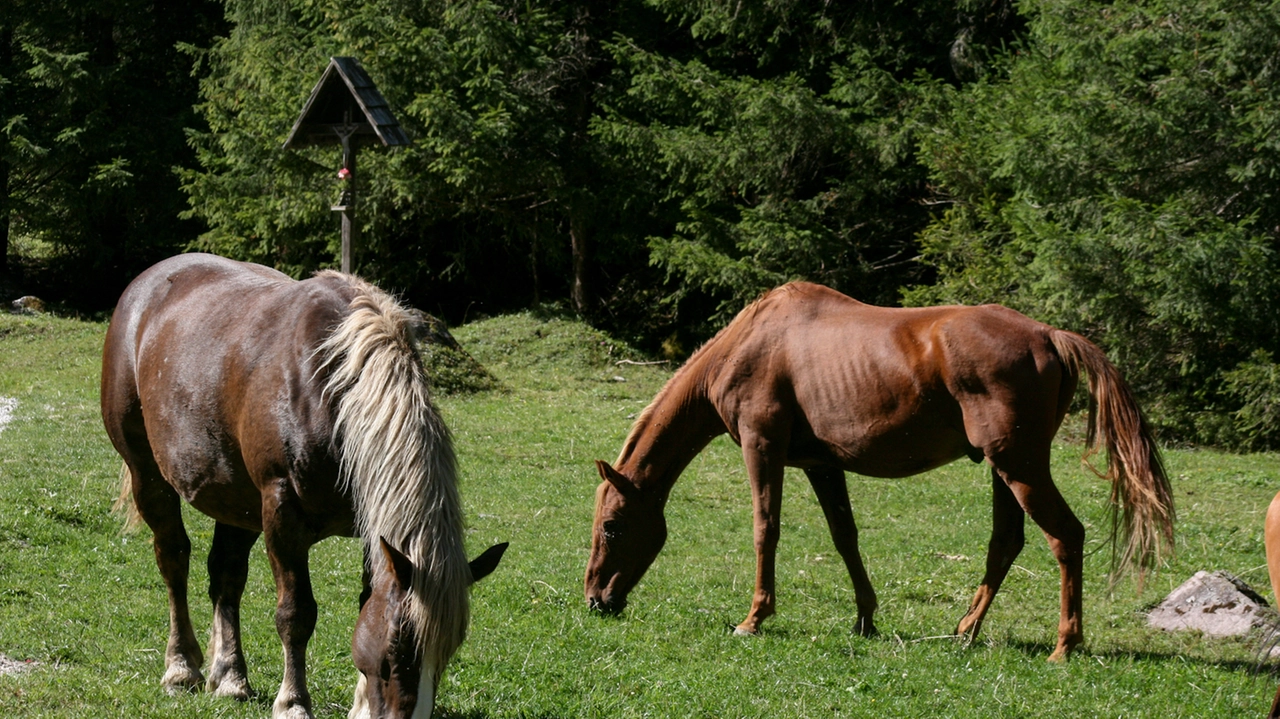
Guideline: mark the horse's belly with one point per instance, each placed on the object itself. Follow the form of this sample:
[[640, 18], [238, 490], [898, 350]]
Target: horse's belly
[[236, 506], [216, 491], [899, 465], [900, 452]]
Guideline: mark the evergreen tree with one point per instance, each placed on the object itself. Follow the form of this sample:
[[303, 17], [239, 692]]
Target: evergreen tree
[[94, 99], [1114, 173], [631, 157]]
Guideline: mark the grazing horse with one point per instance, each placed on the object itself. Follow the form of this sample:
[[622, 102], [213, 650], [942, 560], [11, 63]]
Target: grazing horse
[[296, 410], [807, 377]]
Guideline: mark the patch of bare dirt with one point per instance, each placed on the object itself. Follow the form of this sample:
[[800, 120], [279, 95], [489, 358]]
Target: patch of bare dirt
[[14, 666]]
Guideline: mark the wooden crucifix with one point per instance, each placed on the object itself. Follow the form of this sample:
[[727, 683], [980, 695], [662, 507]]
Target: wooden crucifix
[[345, 108]]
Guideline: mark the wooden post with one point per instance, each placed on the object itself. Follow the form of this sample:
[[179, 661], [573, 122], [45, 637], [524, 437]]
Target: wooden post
[[347, 204], [346, 108], [350, 229]]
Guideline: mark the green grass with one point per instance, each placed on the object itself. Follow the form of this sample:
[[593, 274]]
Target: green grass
[[86, 602]]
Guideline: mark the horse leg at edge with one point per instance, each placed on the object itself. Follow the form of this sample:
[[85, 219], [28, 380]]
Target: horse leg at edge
[[833, 496], [1041, 500], [161, 508], [288, 543], [1007, 539], [360, 703], [228, 568], [764, 469], [1271, 541]]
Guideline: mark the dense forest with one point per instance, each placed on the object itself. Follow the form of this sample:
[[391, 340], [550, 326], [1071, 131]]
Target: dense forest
[[652, 165]]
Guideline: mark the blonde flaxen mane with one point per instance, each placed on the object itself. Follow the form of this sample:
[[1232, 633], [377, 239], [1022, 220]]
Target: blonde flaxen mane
[[397, 460]]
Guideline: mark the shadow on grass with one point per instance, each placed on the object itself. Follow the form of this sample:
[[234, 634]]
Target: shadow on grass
[[1043, 649], [445, 713]]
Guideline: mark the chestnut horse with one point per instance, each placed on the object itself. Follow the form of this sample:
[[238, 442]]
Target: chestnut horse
[[807, 377], [296, 410]]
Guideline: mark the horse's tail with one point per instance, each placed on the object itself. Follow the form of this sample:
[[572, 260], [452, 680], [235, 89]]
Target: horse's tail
[[124, 504], [1142, 514]]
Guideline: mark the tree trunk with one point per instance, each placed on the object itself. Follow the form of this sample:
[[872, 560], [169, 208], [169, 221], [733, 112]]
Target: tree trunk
[[579, 239], [4, 217], [6, 70], [592, 20]]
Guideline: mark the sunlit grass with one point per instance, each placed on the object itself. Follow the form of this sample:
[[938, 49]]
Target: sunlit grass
[[86, 602]]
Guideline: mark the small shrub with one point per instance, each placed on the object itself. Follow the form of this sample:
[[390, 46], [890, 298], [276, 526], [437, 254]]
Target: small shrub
[[1256, 384]]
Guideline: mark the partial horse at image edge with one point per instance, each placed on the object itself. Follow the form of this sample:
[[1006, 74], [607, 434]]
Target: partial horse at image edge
[[807, 377], [1271, 541], [299, 410]]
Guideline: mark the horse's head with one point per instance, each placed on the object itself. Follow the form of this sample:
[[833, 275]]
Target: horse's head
[[395, 681], [628, 533]]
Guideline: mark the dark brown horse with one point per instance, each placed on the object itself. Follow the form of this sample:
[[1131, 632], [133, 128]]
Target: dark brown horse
[[809, 378], [296, 410]]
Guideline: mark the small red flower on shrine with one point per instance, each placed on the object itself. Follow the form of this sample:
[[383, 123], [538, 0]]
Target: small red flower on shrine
[[344, 174]]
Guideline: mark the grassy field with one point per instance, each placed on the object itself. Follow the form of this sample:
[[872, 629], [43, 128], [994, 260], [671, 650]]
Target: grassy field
[[86, 603]]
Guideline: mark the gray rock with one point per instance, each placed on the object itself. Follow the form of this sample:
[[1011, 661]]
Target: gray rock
[[28, 305], [1217, 604]]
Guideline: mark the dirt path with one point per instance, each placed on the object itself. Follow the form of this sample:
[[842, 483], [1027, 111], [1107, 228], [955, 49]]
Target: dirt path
[[7, 405], [13, 666]]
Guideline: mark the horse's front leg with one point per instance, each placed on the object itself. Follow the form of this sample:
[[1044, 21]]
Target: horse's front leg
[[765, 456], [360, 703], [288, 542], [228, 568], [833, 496]]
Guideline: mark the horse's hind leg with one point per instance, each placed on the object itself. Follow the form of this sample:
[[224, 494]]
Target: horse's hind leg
[[1028, 478], [833, 495], [1007, 540], [228, 568], [161, 508]]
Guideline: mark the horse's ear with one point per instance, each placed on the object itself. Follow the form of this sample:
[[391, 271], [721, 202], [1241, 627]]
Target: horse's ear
[[616, 478], [400, 565], [482, 565]]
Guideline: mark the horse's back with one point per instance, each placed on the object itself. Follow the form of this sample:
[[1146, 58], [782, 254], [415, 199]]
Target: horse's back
[[883, 391], [208, 367], [184, 290]]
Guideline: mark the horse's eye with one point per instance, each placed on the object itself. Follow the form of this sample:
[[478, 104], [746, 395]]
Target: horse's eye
[[386, 670], [612, 529]]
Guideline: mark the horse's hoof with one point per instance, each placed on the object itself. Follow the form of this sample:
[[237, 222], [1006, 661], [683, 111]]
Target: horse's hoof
[[291, 704], [230, 687], [865, 628], [1059, 656], [182, 678], [743, 632], [293, 712]]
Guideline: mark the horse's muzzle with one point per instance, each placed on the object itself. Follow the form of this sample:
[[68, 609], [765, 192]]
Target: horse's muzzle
[[606, 605]]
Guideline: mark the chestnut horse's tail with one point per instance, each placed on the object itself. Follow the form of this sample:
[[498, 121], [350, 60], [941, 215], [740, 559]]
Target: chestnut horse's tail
[[1142, 512]]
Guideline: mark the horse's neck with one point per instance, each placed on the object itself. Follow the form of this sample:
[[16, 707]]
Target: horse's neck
[[678, 425]]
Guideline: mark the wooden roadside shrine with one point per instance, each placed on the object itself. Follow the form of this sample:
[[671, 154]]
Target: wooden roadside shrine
[[346, 108]]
